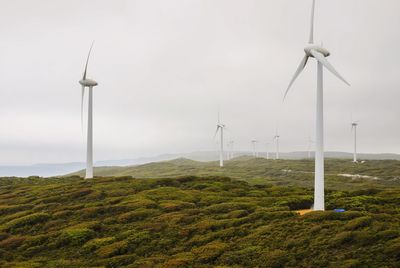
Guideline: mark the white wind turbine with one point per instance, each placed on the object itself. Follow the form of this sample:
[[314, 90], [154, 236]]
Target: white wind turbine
[[220, 128], [88, 83], [276, 138], [320, 54], [254, 143], [230, 146], [354, 126], [267, 148]]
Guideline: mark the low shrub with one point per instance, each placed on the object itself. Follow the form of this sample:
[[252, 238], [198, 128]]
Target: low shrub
[[75, 237], [96, 243], [137, 215], [174, 205], [229, 206], [8, 209], [392, 248], [28, 220], [209, 252], [358, 223], [180, 260], [12, 242], [342, 238], [116, 248]]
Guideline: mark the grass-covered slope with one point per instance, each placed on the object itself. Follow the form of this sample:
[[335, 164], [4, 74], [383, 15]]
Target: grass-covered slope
[[191, 222], [385, 173]]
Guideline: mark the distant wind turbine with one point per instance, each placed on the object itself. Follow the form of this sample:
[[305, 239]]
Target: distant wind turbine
[[320, 54], [354, 126], [230, 153], [276, 138], [254, 143], [220, 129], [88, 83], [267, 148]]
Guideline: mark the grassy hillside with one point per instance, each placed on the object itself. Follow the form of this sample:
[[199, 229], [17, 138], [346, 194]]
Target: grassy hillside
[[282, 172], [192, 222]]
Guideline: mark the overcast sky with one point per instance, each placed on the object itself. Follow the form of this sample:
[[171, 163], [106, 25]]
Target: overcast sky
[[165, 67]]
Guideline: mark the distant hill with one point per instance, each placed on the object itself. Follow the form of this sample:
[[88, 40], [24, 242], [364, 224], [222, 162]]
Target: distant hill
[[340, 173], [48, 170]]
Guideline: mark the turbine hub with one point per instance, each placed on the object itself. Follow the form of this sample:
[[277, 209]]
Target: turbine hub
[[320, 49], [88, 83]]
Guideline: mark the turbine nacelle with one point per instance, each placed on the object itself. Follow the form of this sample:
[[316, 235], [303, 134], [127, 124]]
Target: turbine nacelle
[[308, 50], [88, 83]]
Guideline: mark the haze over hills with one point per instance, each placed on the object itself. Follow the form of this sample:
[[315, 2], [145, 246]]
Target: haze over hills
[[57, 169]]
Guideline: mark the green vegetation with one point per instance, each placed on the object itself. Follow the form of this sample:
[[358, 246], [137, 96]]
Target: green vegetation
[[379, 174], [203, 221]]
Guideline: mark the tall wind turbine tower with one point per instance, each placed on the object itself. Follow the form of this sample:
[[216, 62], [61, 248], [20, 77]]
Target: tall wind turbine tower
[[88, 83], [354, 126], [276, 138], [220, 129], [320, 54]]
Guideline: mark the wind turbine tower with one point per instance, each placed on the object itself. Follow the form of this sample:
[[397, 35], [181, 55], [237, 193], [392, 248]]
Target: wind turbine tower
[[88, 83], [220, 129], [255, 153], [230, 153], [276, 138], [354, 126], [320, 54]]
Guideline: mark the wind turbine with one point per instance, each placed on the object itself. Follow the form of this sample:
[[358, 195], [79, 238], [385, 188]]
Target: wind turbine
[[88, 83], [354, 126], [276, 138], [230, 153], [320, 54], [220, 128], [254, 142], [267, 147]]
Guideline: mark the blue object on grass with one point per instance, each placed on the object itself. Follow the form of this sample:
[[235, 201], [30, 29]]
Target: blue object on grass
[[339, 210]]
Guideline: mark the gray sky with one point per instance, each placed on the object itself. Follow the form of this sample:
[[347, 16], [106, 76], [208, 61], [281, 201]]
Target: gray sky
[[165, 66]]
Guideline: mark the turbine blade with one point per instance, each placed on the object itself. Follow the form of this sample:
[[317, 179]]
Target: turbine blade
[[298, 71], [321, 58], [83, 96], [311, 40], [216, 132], [87, 61]]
